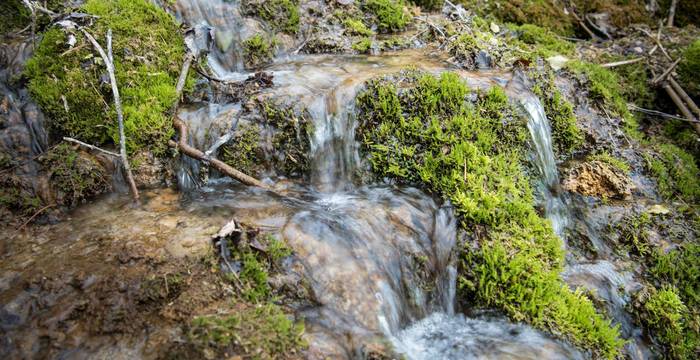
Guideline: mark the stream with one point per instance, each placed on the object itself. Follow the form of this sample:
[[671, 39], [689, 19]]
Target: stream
[[380, 259]]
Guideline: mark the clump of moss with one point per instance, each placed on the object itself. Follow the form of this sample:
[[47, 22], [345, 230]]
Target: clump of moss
[[362, 45], [543, 40], [566, 134], [258, 50], [472, 153], [683, 135], [388, 15], [676, 173], [680, 268], [689, 68], [541, 12], [634, 81], [17, 197], [244, 151], [356, 27], [282, 15], [634, 232], [263, 331], [607, 158], [671, 323], [75, 176], [604, 85], [69, 86]]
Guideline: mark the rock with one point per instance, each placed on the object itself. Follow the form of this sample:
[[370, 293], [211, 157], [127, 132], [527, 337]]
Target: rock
[[557, 62], [658, 209], [494, 28], [483, 60], [599, 179]]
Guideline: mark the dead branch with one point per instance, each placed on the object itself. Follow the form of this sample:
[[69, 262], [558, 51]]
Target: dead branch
[[34, 216], [91, 147], [665, 74], [681, 106], [192, 152], [684, 95], [623, 62], [109, 63], [671, 13]]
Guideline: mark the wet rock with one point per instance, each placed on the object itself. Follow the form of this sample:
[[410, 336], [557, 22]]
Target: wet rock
[[483, 60], [598, 179]]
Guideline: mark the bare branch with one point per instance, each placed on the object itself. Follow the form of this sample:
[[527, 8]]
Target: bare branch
[[623, 62], [117, 104], [671, 13], [92, 147], [665, 74]]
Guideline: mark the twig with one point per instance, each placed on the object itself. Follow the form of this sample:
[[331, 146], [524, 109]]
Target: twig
[[671, 13], [681, 106], [657, 113], [663, 76], [623, 62], [658, 42], [92, 147], [583, 25], [109, 63], [34, 216]]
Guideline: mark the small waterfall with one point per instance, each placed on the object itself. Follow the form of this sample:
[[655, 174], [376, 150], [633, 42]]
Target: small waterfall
[[541, 133]]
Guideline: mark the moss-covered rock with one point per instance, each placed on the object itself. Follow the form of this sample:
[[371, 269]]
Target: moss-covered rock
[[69, 83], [76, 176], [281, 15], [675, 171], [427, 133], [258, 50]]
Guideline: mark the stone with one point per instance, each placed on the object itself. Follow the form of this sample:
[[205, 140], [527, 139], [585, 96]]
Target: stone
[[495, 28], [599, 179], [557, 62]]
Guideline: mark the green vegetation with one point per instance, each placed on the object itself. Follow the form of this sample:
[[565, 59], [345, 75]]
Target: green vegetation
[[362, 45], [388, 15], [472, 153], [605, 157], [671, 323], [282, 15], [689, 68], [356, 27], [76, 176], [429, 4], [635, 80], [288, 135], [15, 16], [258, 50], [258, 332], [566, 134], [634, 232], [681, 269], [676, 172], [543, 40], [68, 85]]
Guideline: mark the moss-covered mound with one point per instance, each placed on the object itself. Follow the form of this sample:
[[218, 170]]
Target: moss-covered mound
[[689, 68], [70, 86], [422, 130], [387, 15], [15, 16], [281, 15]]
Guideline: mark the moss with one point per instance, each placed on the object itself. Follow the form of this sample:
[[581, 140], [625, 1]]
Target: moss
[[15, 16], [362, 45], [605, 86], [148, 50], [689, 68], [541, 12], [635, 80], [472, 153], [634, 231], [244, 152], [676, 173], [388, 15], [545, 41], [75, 176], [680, 268], [281, 15], [429, 4], [605, 157], [356, 27], [683, 135], [258, 51], [566, 134], [17, 197], [260, 332], [670, 321]]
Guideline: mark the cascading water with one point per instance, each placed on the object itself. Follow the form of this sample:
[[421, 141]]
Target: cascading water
[[541, 133]]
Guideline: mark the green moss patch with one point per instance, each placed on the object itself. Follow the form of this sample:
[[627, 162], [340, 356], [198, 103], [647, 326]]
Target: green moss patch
[[566, 134], [68, 84], [425, 132], [281, 15], [387, 15], [543, 40], [689, 68], [258, 50], [75, 176], [356, 27], [15, 16], [676, 173], [362, 45], [258, 332]]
